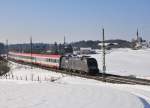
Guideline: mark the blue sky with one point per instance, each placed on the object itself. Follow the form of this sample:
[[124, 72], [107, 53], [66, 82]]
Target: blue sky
[[51, 20]]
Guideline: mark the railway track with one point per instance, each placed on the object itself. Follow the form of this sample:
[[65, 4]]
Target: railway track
[[100, 77]]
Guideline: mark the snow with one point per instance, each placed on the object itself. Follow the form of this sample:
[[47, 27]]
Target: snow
[[27, 71], [56, 95], [75, 92], [126, 62]]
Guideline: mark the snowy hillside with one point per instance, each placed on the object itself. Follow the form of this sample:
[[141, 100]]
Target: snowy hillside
[[68, 92], [126, 62]]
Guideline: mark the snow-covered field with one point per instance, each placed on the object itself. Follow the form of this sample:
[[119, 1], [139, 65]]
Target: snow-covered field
[[65, 94], [24, 71], [68, 92], [23, 90], [126, 62]]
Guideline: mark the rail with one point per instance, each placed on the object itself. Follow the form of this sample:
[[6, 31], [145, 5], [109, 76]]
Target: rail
[[108, 77]]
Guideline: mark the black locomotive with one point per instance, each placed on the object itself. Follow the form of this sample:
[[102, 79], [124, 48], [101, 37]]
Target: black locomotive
[[83, 64]]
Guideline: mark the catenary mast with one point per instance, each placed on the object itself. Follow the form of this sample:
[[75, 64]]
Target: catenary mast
[[103, 48], [31, 49]]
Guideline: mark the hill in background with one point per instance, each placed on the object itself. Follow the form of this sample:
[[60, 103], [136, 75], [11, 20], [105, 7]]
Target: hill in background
[[56, 48]]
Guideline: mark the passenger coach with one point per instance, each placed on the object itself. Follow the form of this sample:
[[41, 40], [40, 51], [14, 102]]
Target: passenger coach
[[52, 61]]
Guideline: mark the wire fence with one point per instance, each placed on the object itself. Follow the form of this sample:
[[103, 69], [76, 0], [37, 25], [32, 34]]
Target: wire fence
[[31, 77]]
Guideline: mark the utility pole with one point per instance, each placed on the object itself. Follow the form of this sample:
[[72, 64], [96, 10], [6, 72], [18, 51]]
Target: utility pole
[[64, 40], [103, 48], [137, 34], [7, 48], [64, 46], [31, 50]]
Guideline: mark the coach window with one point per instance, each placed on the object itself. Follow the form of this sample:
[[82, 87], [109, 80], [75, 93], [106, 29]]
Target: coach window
[[57, 61], [50, 60], [54, 60], [47, 60]]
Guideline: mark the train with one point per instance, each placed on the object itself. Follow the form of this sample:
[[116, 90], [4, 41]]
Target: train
[[84, 64]]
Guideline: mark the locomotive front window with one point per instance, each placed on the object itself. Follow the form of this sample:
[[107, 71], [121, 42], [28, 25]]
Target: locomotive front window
[[92, 62]]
